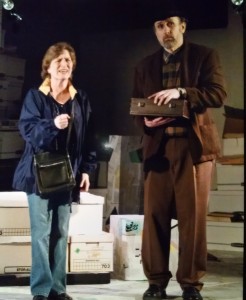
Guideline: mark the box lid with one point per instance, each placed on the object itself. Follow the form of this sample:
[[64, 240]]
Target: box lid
[[88, 198], [13, 199], [103, 236], [15, 239]]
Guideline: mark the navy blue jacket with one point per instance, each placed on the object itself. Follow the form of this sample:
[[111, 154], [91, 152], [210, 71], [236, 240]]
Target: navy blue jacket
[[36, 125]]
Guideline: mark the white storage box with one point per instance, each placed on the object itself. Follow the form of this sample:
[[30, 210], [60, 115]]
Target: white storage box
[[221, 235], [15, 253], [11, 144], [87, 217], [3, 110], [13, 67], [14, 214], [226, 201], [16, 256], [230, 187], [91, 253], [230, 174], [10, 90], [127, 231], [233, 146]]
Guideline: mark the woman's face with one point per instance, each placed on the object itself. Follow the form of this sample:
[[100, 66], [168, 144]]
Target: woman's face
[[61, 67]]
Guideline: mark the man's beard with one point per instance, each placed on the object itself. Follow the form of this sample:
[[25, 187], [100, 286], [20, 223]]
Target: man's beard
[[169, 43]]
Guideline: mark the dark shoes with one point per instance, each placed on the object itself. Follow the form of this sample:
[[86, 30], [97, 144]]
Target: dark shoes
[[62, 296], [191, 293], [154, 292]]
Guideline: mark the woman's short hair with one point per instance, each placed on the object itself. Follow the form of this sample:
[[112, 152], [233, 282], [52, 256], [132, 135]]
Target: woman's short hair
[[53, 52]]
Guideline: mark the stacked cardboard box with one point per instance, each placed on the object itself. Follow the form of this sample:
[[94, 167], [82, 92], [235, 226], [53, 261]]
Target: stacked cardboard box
[[15, 240], [226, 203], [127, 232], [87, 216], [12, 70], [91, 253], [230, 167], [89, 248]]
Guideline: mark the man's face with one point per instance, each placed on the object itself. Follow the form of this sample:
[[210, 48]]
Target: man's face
[[169, 33]]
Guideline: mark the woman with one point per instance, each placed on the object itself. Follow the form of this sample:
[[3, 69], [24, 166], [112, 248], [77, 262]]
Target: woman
[[43, 124]]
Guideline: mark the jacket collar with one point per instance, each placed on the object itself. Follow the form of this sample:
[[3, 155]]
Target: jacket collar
[[45, 88]]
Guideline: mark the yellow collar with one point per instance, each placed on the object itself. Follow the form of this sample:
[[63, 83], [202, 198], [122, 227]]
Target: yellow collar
[[45, 88]]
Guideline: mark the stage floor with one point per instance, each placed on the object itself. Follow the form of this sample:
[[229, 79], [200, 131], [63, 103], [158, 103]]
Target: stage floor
[[224, 280]]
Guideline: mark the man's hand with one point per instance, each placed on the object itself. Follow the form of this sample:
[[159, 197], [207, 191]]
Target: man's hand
[[160, 98], [164, 96], [157, 121]]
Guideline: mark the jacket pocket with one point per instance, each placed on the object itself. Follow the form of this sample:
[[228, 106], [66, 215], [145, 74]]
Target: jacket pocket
[[210, 139]]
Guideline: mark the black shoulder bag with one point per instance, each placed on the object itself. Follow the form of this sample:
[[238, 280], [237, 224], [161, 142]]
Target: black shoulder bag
[[53, 171]]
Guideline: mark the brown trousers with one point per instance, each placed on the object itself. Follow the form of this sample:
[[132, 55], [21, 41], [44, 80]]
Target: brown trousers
[[175, 188]]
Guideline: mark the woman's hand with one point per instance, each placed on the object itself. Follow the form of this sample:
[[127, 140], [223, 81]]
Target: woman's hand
[[85, 182], [62, 121]]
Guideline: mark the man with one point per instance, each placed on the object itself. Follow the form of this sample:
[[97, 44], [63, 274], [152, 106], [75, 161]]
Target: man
[[178, 155]]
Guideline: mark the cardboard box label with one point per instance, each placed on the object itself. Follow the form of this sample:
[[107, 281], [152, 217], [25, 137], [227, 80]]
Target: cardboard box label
[[131, 227]]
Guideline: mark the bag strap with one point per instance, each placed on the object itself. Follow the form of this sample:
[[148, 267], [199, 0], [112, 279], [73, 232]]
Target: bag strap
[[70, 125]]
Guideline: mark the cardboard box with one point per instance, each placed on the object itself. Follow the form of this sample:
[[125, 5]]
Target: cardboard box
[[14, 214], [15, 253], [233, 128], [3, 110], [127, 231], [233, 146], [87, 217], [234, 122], [230, 174], [10, 90], [16, 256], [128, 261], [11, 144], [12, 67], [230, 187], [231, 160], [227, 201], [221, 235], [91, 253]]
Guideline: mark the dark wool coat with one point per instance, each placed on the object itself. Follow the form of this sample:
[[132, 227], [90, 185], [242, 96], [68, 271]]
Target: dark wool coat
[[201, 76], [36, 125]]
